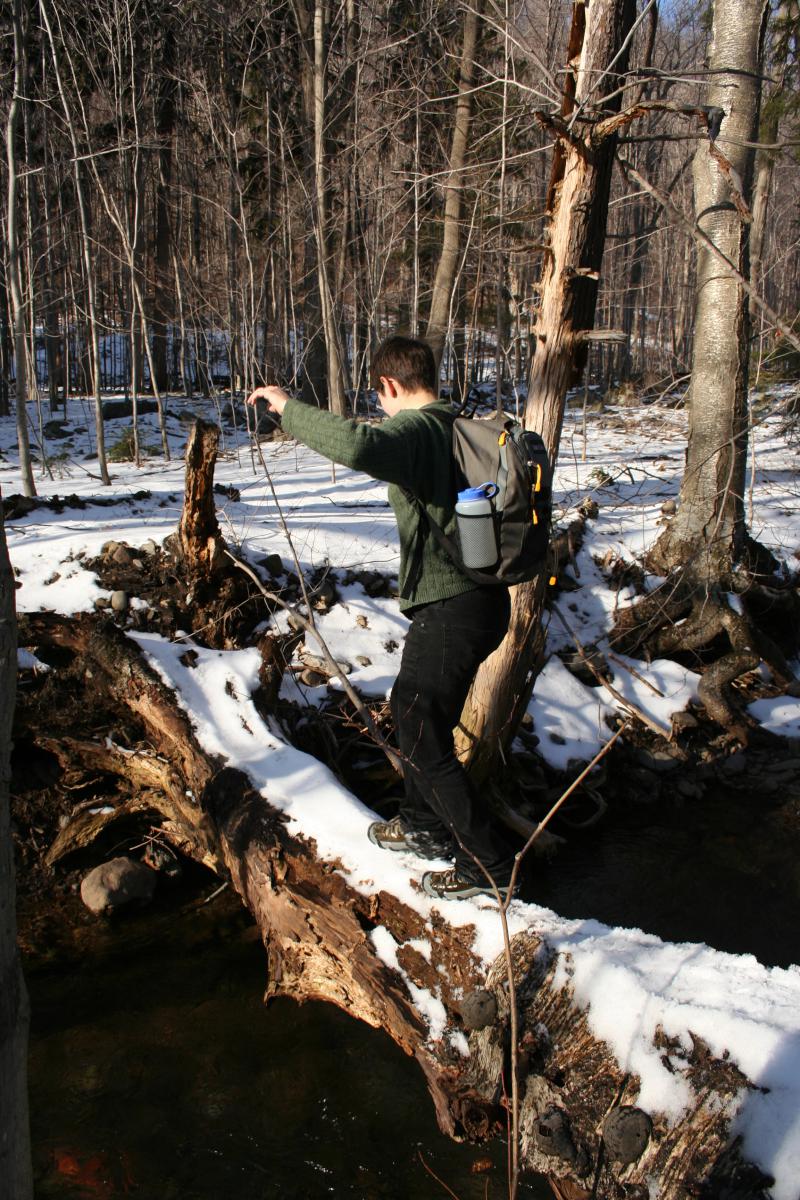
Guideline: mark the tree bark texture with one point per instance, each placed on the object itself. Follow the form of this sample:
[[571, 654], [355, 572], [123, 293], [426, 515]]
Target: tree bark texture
[[709, 532], [318, 934], [200, 541], [578, 204], [14, 257], [16, 1180], [442, 295]]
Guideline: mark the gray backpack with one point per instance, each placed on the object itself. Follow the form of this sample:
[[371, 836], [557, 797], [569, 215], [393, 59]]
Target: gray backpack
[[499, 451]]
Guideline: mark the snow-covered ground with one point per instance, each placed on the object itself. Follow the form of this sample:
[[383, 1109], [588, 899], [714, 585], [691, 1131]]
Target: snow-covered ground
[[631, 463]]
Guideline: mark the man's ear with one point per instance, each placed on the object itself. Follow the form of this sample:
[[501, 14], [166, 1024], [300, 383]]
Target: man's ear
[[389, 386]]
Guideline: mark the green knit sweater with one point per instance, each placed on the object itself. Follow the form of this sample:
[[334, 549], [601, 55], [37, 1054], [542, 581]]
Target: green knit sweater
[[411, 450]]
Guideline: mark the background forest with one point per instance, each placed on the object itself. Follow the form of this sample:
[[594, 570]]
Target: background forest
[[212, 196], [202, 197]]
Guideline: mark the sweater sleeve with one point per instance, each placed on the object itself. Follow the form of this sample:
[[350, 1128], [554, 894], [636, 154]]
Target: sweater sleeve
[[396, 451]]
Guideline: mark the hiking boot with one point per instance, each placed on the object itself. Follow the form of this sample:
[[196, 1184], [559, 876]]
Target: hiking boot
[[396, 835], [454, 885]]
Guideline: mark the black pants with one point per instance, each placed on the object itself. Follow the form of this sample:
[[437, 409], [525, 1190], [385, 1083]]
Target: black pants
[[445, 645]]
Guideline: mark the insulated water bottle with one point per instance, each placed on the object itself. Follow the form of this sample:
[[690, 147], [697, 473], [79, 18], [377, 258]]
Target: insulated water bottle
[[475, 522]]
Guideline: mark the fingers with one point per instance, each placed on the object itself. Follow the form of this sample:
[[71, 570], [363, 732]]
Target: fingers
[[275, 397]]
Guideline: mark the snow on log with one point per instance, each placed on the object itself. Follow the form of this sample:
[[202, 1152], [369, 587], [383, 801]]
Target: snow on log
[[646, 1069]]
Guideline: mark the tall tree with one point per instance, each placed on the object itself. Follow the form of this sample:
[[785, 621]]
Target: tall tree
[[441, 310], [578, 207], [708, 531], [14, 256], [16, 1180]]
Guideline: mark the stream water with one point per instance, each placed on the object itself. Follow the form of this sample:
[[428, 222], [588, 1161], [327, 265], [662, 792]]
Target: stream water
[[155, 1070]]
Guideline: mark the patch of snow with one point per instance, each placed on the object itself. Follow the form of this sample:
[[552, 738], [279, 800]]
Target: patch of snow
[[568, 717], [779, 714]]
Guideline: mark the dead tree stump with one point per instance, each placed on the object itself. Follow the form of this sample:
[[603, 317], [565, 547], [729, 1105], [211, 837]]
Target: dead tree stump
[[200, 542]]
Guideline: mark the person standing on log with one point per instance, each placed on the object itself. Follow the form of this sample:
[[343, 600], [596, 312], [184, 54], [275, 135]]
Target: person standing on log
[[455, 624]]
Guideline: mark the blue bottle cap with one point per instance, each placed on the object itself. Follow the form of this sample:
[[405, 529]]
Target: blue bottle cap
[[484, 491]]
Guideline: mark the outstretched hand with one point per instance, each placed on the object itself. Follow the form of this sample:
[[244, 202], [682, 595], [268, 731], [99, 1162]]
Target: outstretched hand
[[275, 397]]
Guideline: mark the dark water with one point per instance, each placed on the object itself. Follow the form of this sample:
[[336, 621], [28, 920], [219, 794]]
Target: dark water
[[724, 870], [156, 1071]]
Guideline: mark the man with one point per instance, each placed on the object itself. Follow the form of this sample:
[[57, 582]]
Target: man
[[454, 624]]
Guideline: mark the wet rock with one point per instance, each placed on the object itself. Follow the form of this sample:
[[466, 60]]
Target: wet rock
[[325, 595], [273, 564], [479, 1009], [690, 789], [312, 678], [124, 408], [121, 556], [642, 785], [108, 548], [683, 721], [115, 883], [373, 583], [119, 601], [102, 602], [552, 1136], [735, 764], [148, 548], [659, 761], [626, 1132]]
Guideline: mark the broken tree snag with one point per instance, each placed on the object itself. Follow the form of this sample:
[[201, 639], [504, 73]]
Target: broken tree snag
[[578, 197], [200, 542], [383, 961]]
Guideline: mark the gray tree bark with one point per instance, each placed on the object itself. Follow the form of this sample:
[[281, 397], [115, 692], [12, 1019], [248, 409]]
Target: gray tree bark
[[14, 270], [709, 530], [441, 298]]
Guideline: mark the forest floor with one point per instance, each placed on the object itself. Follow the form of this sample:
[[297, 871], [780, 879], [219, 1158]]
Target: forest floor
[[82, 548]]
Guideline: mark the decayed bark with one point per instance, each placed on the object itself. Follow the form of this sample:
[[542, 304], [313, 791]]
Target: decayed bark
[[578, 204], [317, 933], [200, 541]]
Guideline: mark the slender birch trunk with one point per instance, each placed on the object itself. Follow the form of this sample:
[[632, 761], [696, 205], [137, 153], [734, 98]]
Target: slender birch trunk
[[14, 268]]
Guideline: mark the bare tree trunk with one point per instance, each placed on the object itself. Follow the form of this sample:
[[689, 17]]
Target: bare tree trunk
[[165, 127], [16, 1180], [88, 264], [785, 18], [14, 269], [709, 528], [336, 397], [439, 317], [578, 204]]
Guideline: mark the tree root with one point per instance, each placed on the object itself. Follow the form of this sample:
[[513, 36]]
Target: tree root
[[685, 616]]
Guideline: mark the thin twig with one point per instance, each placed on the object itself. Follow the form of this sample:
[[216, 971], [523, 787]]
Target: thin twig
[[433, 1175], [627, 667]]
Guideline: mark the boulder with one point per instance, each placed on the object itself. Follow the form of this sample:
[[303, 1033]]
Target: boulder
[[117, 882]]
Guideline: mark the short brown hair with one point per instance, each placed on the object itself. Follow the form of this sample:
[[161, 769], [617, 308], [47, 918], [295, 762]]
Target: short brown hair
[[408, 360]]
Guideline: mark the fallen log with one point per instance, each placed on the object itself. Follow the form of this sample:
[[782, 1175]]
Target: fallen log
[[418, 969]]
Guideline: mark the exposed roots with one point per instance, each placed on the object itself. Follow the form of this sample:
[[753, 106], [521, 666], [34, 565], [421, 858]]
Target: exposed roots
[[724, 633]]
